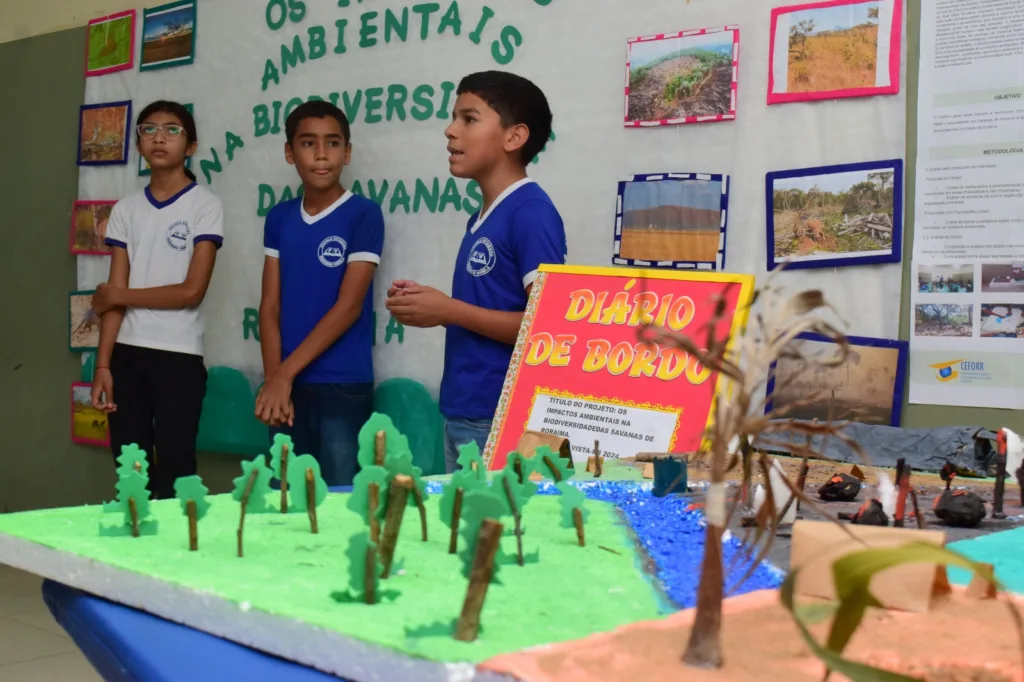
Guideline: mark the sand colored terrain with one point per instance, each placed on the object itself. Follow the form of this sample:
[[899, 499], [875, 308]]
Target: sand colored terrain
[[675, 245], [959, 640], [713, 97], [834, 61]]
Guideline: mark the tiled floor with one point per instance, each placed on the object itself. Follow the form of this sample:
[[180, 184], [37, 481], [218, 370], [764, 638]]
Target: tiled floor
[[33, 648]]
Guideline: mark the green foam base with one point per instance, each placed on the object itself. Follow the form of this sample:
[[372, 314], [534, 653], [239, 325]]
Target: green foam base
[[291, 573]]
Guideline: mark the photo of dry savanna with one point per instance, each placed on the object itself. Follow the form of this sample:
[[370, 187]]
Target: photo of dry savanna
[[168, 35], [860, 389], [88, 425], [103, 134], [831, 48], [83, 322], [1007, 277], [945, 279], [943, 319], [680, 77], [846, 213], [89, 227], [671, 220]]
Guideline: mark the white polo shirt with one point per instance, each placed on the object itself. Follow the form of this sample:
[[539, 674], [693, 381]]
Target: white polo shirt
[[160, 237]]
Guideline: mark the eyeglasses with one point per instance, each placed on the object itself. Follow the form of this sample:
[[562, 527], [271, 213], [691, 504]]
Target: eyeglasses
[[150, 130]]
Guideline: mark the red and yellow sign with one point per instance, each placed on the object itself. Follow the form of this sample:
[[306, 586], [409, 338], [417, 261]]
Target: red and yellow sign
[[581, 370]]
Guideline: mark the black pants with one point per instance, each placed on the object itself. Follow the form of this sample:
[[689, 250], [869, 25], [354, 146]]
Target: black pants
[[159, 397]]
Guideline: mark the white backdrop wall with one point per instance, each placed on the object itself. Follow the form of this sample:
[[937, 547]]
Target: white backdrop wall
[[575, 51]]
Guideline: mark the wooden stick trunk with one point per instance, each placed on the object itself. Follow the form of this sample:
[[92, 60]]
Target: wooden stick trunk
[[244, 503], [311, 500], [284, 478], [577, 520], [380, 448], [398, 497], [422, 510], [518, 519], [453, 540], [193, 525], [373, 490], [370, 573], [133, 511], [468, 626]]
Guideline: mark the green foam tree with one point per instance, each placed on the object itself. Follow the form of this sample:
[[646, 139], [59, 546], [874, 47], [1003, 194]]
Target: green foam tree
[[514, 496], [132, 455], [359, 500], [280, 440], [550, 465], [131, 487], [400, 462], [477, 506], [394, 441], [257, 503], [297, 483], [363, 587], [191, 489], [521, 466], [470, 460]]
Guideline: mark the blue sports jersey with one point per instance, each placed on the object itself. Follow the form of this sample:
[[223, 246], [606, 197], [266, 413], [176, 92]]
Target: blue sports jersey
[[314, 253], [498, 259]]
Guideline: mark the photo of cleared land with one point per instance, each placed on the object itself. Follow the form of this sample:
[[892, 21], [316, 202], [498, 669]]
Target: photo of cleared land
[[945, 279], [90, 227], [110, 43], [168, 35], [1004, 277], [84, 323], [943, 319], [680, 77], [847, 213], [832, 48], [860, 389], [672, 220]]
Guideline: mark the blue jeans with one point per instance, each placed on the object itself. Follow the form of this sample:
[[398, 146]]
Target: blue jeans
[[459, 432], [328, 418]]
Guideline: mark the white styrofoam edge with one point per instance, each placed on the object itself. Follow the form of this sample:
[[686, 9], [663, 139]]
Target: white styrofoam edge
[[287, 638]]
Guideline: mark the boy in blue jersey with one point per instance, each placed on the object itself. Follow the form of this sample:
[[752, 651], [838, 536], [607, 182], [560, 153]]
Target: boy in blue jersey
[[322, 251], [501, 122]]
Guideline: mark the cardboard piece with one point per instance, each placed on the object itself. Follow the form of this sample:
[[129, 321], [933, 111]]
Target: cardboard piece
[[818, 544], [980, 588], [649, 470], [857, 473], [532, 440]]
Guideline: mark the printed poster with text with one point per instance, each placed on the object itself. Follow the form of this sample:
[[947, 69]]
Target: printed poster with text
[[967, 343], [581, 370]]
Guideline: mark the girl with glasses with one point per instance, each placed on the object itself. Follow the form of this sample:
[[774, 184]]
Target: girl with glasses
[[150, 377]]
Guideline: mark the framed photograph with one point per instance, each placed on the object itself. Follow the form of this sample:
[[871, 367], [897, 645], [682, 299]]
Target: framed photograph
[[671, 220], [89, 227], [944, 319], [103, 133], [685, 77], [867, 387], [88, 425], [1002, 320], [840, 48], [144, 168], [1002, 278], [832, 216], [110, 45], [168, 36], [946, 279], [83, 322]]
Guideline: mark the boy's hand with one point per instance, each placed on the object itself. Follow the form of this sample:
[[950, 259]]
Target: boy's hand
[[419, 306], [103, 391], [399, 286], [106, 298], [274, 402]]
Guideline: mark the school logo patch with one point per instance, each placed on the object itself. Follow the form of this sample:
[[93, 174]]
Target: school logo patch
[[331, 251], [481, 257], [177, 235]]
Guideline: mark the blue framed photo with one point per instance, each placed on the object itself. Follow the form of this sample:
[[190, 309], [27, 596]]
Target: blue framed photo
[[103, 133], [671, 220], [867, 387], [833, 216]]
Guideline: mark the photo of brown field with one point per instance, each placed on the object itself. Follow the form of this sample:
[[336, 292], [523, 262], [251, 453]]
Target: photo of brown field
[[103, 134], [671, 220], [848, 213], [860, 389], [83, 322], [89, 227], [1003, 277], [679, 77], [88, 425], [168, 35], [832, 48]]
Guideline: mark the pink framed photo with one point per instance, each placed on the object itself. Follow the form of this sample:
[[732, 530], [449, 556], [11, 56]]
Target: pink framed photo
[[110, 44], [685, 77], [88, 425], [89, 227], [835, 49]]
